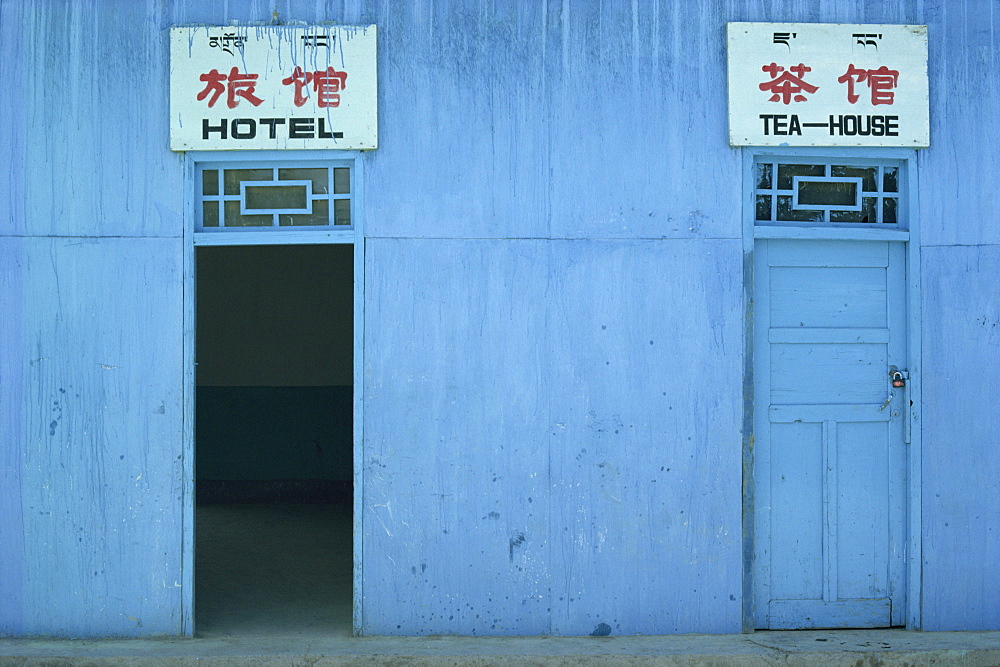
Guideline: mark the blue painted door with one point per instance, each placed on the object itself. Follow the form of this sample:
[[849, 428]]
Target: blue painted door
[[829, 455]]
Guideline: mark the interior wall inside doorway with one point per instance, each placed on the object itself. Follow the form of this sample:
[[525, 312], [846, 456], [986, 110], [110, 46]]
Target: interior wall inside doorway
[[274, 348]]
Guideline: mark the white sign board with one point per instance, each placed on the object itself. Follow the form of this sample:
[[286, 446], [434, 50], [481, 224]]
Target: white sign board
[[273, 87], [825, 84]]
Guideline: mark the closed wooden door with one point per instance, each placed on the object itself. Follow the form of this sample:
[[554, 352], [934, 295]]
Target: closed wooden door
[[829, 453]]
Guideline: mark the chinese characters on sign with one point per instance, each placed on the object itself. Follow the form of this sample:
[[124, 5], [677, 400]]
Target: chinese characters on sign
[[827, 85], [785, 85], [326, 85], [273, 87], [881, 81], [241, 85]]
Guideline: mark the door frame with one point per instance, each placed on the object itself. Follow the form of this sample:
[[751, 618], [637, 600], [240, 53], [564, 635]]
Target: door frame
[[909, 211], [190, 240]]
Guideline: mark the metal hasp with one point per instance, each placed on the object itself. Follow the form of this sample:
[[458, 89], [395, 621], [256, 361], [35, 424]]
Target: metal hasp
[[897, 380]]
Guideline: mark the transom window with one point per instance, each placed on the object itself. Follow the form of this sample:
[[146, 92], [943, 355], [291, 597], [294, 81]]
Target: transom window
[[273, 196], [802, 191]]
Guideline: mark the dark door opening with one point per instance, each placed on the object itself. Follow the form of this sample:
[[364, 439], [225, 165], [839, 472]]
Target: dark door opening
[[273, 440]]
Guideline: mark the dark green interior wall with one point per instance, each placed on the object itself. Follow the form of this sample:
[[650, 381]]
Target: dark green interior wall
[[247, 433], [274, 347]]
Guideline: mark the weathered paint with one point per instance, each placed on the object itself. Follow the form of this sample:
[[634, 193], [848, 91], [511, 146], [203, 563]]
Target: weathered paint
[[644, 441], [960, 278], [456, 503], [580, 486], [961, 517], [12, 533], [99, 414], [542, 167]]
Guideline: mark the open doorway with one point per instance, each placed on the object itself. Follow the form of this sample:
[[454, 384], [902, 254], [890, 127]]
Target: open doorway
[[273, 440]]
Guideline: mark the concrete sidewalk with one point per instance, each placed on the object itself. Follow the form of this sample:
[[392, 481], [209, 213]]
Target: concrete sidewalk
[[826, 647]]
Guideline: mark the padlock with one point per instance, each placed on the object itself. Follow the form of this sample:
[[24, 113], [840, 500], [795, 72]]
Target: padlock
[[898, 380]]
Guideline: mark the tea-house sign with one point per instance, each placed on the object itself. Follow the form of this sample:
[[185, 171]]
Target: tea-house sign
[[823, 84], [273, 87]]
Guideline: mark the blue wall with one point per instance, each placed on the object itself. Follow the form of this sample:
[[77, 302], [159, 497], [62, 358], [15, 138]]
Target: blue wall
[[92, 373], [554, 316], [960, 265]]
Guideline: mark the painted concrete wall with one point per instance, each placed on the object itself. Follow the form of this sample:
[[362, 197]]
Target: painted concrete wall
[[92, 374], [960, 264], [561, 468], [554, 330]]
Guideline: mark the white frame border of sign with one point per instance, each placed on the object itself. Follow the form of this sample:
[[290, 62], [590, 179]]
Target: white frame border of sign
[[273, 87], [828, 84]]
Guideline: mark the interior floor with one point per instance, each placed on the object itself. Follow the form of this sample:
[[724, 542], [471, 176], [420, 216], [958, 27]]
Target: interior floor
[[274, 569]]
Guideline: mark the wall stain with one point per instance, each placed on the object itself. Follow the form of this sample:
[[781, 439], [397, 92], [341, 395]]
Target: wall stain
[[515, 541], [602, 630]]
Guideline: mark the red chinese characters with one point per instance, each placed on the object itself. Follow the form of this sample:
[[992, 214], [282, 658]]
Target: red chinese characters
[[237, 85], [881, 81], [301, 80], [789, 85], [327, 85]]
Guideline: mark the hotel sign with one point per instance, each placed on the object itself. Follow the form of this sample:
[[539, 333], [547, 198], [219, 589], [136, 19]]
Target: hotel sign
[[824, 84], [273, 87]]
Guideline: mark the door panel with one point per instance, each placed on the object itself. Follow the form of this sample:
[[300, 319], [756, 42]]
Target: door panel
[[829, 466], [802, 371], [797, 494], [837, 297]]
